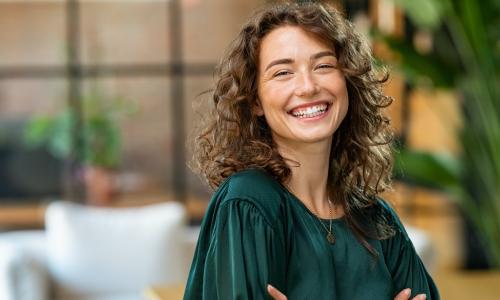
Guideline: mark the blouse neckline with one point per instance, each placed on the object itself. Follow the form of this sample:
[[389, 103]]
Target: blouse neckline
[[306, 209]]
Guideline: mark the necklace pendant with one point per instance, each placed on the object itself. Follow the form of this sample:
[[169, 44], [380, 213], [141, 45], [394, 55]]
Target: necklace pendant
[[330, 238]]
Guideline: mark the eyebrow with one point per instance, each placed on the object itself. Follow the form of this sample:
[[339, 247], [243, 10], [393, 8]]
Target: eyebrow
[[289, 60], [322, 54]]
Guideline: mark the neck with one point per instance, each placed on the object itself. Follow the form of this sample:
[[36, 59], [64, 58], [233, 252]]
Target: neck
[[308, 181]]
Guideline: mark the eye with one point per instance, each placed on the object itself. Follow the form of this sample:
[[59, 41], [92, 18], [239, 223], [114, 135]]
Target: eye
[[282, 73], [324, 66]]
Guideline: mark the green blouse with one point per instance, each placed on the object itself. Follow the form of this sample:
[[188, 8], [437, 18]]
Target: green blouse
[[255, 232]]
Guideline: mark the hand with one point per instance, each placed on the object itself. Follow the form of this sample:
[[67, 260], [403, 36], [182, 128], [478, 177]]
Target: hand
[[277, 295], [405, 295]]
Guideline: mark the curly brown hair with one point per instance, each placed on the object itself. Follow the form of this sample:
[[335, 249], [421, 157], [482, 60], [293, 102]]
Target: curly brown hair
[[235, 138]]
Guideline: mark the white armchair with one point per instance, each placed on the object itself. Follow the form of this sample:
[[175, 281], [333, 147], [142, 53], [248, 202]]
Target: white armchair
[[96, 253]]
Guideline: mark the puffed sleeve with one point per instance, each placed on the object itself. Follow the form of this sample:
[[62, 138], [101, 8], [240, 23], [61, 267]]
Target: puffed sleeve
[[244, 254], [403, 262]]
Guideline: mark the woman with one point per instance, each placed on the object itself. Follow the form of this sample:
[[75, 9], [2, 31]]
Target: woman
[[298, 150]]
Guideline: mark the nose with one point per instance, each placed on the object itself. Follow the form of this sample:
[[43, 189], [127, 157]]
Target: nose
[[306, 85]]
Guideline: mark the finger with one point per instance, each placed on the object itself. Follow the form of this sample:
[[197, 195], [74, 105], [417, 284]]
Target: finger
[[420, 297], [277, 295], [403, 295]]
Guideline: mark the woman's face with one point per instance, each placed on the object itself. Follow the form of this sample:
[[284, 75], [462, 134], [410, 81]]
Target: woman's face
[[302, 93]]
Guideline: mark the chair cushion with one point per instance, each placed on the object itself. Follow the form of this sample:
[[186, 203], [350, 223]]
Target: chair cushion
[[423, 246], [94, 250], [22, 269]]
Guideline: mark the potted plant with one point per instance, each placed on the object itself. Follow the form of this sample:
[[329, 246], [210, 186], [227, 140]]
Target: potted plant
[[464, 59], [100, 138]]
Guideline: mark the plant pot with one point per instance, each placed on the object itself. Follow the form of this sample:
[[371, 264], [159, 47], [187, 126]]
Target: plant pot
[[99, 184]]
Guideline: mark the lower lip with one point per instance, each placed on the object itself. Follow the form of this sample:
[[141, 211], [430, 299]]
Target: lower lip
[[315, 118]]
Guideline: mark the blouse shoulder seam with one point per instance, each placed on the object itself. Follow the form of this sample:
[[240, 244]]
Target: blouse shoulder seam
[[251, 202]]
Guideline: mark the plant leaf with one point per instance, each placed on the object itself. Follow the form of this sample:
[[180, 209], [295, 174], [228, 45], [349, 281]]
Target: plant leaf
[[432, 170], [416, 65], [424, 13]]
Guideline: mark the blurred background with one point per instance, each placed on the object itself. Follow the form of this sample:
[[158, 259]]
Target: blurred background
[[98, 102]]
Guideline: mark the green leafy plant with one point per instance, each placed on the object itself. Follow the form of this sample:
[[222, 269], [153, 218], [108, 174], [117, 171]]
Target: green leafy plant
[[465, 58], [100, 132]]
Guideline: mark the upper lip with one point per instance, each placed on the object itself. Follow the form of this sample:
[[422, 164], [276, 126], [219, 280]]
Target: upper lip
[[310, 104]]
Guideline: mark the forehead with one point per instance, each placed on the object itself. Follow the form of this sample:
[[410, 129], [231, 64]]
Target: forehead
[[290, 41]]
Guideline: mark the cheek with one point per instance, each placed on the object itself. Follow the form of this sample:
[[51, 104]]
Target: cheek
[[336, 83], [341, 92], [341, 105], [345, 102], [270, 98]]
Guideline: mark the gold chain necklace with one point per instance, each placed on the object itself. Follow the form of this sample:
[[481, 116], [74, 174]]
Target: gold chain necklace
[[329, 236]]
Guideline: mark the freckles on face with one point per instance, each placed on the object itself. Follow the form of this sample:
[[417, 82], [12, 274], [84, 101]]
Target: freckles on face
[[302, 92]]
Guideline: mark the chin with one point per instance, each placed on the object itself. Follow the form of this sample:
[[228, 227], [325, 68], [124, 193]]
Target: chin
[[314, 138]]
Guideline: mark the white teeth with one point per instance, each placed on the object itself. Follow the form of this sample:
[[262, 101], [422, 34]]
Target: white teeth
[[310, 111]]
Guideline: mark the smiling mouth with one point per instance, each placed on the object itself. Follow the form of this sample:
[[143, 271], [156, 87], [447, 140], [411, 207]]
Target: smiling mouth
[[311, 111]]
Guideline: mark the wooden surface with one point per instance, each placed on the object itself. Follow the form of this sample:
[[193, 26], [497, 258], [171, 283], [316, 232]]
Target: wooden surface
[[466, 285], [22, 216], [164, 293], [31, 216]]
